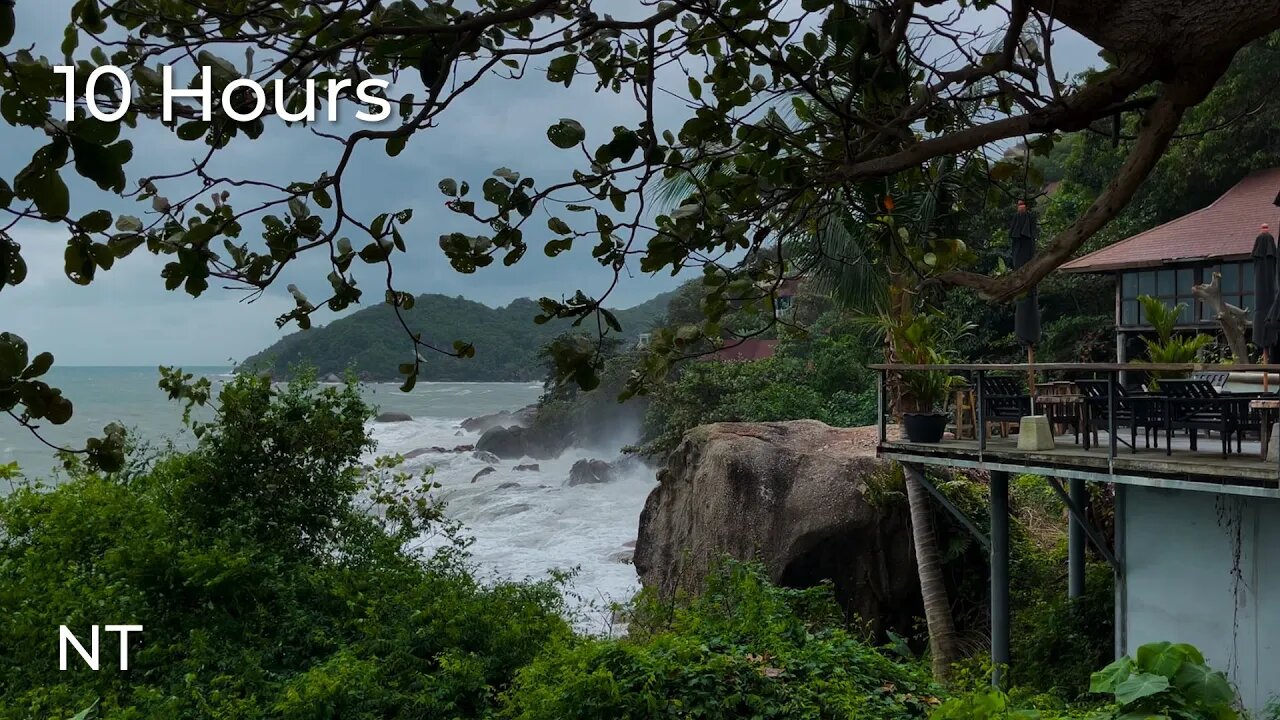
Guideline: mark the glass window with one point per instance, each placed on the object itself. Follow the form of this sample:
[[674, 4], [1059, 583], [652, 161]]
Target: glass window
[[1147, 282], [1164, 283], [1186, 278], [1129, 285], [1246, 274], [1206, 312], [1129, 312], [1231, 278], [1184, 315]]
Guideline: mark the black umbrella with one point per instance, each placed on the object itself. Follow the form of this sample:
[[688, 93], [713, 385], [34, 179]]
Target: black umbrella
[[1026, 318], [1265, 333]]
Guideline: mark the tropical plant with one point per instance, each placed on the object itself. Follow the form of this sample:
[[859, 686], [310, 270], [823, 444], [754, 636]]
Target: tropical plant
[[1166, 680], [1169, 347]]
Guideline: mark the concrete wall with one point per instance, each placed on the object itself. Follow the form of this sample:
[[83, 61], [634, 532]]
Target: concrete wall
[[1179, 558]]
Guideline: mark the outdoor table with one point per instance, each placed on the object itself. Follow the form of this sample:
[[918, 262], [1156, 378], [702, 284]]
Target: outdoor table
[[1267, 409], [1066, 410]]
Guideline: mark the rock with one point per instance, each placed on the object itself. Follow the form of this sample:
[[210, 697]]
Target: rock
[[791, 495], [626, 557], [508, 485], [516, 442], [487, 471], [393, 417], [463, 448], [418, 453], [629, 544], [530, 467], [503, 442], [332, 378], [485, 457], [512, 510], [520, 418], [590, 472]]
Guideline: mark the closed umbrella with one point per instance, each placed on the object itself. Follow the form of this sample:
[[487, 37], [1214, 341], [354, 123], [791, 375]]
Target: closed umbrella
[[1265, 333], [1026, 317]]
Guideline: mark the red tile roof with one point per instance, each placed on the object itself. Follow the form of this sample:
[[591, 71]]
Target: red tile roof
[[1224, 230], [748, 349]]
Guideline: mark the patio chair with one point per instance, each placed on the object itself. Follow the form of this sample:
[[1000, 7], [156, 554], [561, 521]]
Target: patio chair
[[1132, 410], [1004, 402], [1195, 405], [1217, 379]]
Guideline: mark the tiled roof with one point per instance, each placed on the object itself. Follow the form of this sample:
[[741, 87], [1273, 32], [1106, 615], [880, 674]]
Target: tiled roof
[[1224, 230], [748, 349]]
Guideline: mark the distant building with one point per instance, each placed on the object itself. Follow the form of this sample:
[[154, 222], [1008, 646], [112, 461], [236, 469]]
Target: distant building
[[1168, 260]]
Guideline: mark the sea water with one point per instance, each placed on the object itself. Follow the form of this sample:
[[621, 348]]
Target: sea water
[[519, 532]]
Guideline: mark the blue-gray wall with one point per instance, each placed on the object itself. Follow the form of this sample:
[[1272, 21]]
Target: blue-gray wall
[[1185, 583]]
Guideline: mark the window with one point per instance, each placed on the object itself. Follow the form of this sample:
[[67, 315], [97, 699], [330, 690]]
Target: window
[[1172, 286]]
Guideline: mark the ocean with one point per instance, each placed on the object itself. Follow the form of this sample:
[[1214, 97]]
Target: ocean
[[519, 532]]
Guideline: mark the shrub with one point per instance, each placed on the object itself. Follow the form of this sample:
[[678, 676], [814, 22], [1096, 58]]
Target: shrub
[[1166, 680], [742, 649], [272, 578]]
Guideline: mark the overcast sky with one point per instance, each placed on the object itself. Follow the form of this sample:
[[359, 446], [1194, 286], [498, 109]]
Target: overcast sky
[[126, 317]]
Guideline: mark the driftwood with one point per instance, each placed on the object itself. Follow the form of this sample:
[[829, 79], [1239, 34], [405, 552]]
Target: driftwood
[[1232, 319]]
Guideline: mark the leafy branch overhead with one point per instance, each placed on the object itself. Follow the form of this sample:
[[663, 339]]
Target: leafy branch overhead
[[788, 114]]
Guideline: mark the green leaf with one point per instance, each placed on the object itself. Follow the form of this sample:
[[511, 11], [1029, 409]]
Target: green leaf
[[566, 134], [7, 25], [396, 144], [695, 89], [50, 194], [1140, 685], [13, 355], [1106, 679], [1199, 683], [96, 221], [193, 130], [449, 187], [611, 320], [561, 69], [559, 226]]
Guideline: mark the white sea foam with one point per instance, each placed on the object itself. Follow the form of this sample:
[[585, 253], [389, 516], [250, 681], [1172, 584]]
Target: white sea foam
[[542, 524]]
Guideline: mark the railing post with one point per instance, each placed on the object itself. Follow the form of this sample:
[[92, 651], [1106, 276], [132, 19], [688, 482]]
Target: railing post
[[980, 416], [1075, 541], [1000, 615], [881, 403], [1111, 418]]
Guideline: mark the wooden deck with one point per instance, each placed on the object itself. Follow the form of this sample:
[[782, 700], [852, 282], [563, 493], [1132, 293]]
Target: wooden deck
[[1203, 469]]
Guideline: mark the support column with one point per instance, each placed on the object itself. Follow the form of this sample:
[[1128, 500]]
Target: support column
[[1000, 615], [1076, 542], [1122, 590]]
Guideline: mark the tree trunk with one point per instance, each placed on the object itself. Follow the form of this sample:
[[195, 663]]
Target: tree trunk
[[943, 646], [933, 587], [1231, 318]]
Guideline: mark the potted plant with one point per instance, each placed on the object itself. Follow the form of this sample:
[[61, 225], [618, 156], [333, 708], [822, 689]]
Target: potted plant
[[930, 392]]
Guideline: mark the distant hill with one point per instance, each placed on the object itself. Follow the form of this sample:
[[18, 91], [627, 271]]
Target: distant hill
[[373, 343]]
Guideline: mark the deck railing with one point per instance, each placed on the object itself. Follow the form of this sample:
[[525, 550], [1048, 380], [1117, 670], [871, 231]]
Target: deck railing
[[976, 373]]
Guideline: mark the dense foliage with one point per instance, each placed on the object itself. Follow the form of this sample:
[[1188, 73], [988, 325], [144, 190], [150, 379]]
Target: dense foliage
[[271, 577], [372, 343], [744, 648], [820, 376]]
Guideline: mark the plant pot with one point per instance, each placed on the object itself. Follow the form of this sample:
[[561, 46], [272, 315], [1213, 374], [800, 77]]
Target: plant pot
[[924, 427]]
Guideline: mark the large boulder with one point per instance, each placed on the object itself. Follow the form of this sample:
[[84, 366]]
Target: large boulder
[[506, 418], [516, 442], [590, 472], [791, 495], [393, 417]]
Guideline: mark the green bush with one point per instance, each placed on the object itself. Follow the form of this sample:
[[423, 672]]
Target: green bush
[[272, 578], [744, 649], [1166, 680]]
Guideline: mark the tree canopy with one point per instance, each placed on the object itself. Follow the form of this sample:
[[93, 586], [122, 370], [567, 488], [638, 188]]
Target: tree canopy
[[790, 114]]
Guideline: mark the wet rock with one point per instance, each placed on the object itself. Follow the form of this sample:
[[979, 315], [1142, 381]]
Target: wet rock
[[463, 448], [624, 556], [487, 471], [512, 510], [508, 485], [529, 467], [418, 453], [590, 472], [629, 544], [503, 442], [519, 418], [332, 378], [393, 417], [486, 457]]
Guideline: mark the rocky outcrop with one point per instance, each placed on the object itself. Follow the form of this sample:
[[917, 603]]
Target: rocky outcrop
[[792, 495], [516, 442], [507, 418], [482, 473], [485, 457], [529, 467], [590, 472], [393, 417]]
